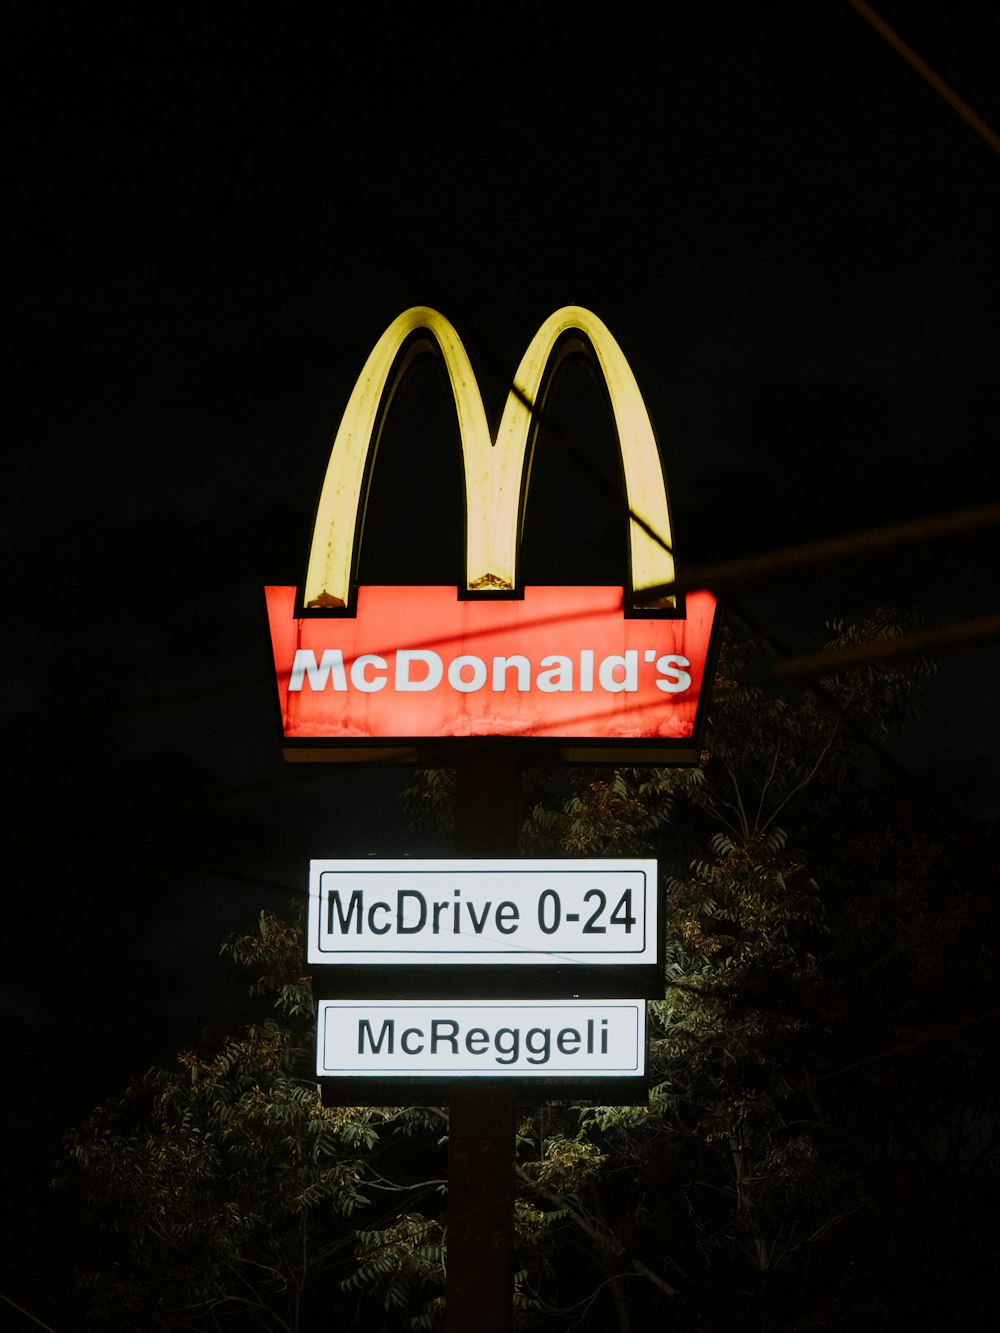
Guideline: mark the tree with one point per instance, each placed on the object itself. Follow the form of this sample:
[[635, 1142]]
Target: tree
[[819, 1147], [222, 1193]]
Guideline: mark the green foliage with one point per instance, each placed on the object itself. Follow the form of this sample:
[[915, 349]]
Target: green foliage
[[203, 1180], [614, 815], [222, 1192], [273, 956], [399, 1259], [819, 1146], [826, 1027]]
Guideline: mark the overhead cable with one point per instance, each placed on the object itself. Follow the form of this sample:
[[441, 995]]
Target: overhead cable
[[928, 75]]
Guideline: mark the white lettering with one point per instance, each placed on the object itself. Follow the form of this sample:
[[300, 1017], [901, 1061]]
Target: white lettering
[[304, 664], [479, 673], [520, 664], [368, 685], [420, 670], [558, 676], [629, 664], [435, 669], [587, 670], [674, 678]]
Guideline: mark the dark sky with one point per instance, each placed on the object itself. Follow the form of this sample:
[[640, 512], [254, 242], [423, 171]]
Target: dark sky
[[793, 239]]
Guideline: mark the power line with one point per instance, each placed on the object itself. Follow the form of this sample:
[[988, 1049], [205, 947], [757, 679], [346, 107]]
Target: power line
[[933, 80], [916, 643], [793, 559]]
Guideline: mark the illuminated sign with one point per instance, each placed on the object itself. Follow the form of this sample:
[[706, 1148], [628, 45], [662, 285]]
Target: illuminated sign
[[483, 912], [446, 1039], [589, 674]]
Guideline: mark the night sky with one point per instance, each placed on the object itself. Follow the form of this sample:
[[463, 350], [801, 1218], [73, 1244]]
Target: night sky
[[791, 236]]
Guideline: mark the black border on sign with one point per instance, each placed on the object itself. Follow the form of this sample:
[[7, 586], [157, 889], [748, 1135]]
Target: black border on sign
[[574, 981], [438, 752], [437, 1092]]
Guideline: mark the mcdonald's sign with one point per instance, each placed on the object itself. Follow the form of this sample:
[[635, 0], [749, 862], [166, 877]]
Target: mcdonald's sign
[[401, 674]]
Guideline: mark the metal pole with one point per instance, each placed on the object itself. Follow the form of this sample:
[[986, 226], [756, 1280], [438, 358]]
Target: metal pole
[[478, 1286]]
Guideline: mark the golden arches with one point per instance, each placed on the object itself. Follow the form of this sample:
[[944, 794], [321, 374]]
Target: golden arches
[[493, 471]]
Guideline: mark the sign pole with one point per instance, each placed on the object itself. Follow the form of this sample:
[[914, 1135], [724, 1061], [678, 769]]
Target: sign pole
[[418, 675], [478, 1295]]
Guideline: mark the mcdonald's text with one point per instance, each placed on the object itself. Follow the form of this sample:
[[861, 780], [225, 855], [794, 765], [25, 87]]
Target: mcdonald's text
[[422, 662], [420, 669]]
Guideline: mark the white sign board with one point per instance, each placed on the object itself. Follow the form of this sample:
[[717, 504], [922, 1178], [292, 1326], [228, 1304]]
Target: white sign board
[[483, 912], [481, 1038]]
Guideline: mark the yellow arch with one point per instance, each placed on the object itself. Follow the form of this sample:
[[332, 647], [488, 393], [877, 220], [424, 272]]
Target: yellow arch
[[493, 472], [652, 561]]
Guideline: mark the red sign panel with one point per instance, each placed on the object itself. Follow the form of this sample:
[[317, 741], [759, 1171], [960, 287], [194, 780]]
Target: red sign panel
[[561, 664]]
